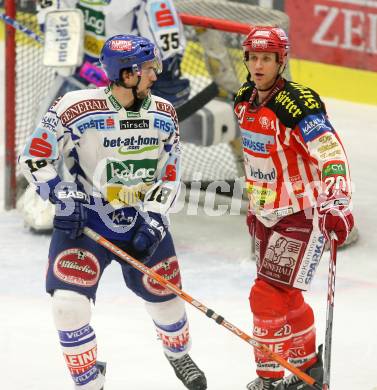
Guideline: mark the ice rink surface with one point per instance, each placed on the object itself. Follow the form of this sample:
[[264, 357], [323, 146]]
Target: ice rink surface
[[215, 263]]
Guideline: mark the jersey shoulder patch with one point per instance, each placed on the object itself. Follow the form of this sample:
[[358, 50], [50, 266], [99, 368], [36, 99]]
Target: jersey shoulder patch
[[244, 93], [296, 102]]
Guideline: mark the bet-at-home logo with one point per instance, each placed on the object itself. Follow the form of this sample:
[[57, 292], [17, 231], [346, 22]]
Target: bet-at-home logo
[[132, 145], [131, 171]]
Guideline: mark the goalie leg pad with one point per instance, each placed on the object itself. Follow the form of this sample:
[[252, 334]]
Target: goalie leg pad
[[171, 326], [72, 312]]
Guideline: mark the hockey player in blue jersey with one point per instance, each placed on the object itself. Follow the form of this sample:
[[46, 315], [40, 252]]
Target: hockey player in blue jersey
[[121, 147]]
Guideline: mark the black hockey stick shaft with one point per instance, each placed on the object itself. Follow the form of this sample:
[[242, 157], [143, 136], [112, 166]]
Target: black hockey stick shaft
[[198, 305], [330, 313], [198, 101]]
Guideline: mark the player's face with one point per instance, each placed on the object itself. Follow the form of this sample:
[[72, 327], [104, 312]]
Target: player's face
[[263, 68], [148, 77]]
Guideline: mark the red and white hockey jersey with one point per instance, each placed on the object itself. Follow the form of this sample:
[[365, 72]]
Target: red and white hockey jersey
[[292, 154]]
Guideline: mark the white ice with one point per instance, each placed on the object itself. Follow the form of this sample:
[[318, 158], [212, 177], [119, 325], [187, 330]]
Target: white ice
[[214, 255]]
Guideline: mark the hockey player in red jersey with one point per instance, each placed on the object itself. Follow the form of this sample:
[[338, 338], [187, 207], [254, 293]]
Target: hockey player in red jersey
[[298, 183]]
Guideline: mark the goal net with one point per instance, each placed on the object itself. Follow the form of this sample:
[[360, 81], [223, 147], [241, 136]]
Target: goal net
[[212, 61], [215, 31]]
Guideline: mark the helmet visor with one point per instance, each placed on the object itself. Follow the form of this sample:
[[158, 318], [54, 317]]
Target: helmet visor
[[157, 62]]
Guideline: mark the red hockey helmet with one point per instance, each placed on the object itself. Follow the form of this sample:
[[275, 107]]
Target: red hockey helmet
[[267, 39]]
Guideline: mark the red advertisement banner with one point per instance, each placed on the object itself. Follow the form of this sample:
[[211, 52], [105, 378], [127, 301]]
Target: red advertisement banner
[[338, 32]]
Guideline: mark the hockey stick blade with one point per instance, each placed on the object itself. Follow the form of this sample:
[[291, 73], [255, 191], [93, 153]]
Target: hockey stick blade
[[208, 312]]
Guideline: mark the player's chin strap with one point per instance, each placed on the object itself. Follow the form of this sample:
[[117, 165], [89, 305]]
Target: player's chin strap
[[278, 77], [274, 89], [137, 102]]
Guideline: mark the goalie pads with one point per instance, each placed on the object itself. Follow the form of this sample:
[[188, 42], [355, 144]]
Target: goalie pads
[[64, 38], [38, 213]]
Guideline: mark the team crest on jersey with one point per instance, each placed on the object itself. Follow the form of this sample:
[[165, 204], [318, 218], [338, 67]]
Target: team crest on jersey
[[77, 266], [264, 122], [169, 270], [49, 121]]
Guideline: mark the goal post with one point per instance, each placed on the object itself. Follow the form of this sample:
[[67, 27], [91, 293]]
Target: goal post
[[10, 109], [27, 84]]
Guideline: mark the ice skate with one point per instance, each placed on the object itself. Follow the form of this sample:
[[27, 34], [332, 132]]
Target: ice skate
[[102, 369], [188, 372], [263, 384], [292, 382]]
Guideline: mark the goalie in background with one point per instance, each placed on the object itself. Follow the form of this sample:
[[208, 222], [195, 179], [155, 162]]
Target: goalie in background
[[125, 180], [157, 21], [297, 179]]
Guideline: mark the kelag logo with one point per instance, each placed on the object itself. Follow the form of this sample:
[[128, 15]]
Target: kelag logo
[[134, 124], [256, 143], [94, 20], [131, 171]]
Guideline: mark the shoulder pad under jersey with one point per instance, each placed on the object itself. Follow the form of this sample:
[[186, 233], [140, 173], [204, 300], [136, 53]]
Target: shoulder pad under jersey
[[244, 93], [295, 102]]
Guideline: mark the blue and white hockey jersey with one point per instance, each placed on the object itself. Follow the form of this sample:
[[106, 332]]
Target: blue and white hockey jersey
[[124, 160]]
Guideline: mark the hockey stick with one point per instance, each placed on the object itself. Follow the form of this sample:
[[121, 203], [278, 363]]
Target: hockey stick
[[208, 312], [198, 101], [184, 111], [330, 312], [20, 27]]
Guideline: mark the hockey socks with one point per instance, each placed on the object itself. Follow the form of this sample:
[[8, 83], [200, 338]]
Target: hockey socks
[[72, 315]]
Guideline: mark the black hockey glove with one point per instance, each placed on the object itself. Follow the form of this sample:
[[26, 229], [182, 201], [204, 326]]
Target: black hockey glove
[[70, 212], [148, 235]]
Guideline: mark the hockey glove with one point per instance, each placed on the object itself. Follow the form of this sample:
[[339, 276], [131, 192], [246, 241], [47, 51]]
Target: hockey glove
[[148, 235], [250, 222], [70, 212], [335, 216]]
